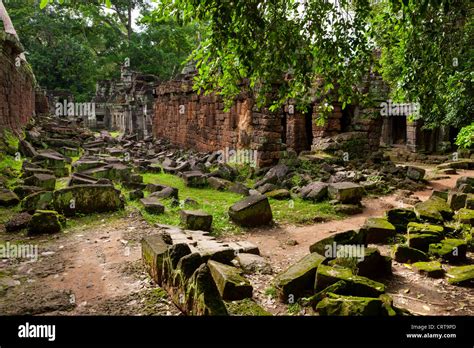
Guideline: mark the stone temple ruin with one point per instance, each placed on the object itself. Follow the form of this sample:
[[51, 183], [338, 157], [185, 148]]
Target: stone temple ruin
[[73, 167]]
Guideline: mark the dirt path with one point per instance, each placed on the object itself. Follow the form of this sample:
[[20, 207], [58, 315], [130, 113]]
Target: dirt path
[[279, 247], [94, 268]]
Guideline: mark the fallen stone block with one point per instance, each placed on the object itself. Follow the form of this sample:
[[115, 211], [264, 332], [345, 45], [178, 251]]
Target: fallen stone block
[[166, 192], [24, 190], [153, 250], [315, 191], [246, 307], [378, 230], [152, 205], [196, 220], [456, 200], [37, 201], [415, 173], [422, 241], [431, 269], [244, 247], [418, 228], [327, 245], [8, 198], [346, 192], [219, 184], [230, 282], [87, 199], [279, 194], [405, 254], [340, 305], [251, 211], [356, 285], [449, 249], [370, 264], [434, 210], [465, 216], [48, 182], [194, 179], [45, 222], [298, 279], [213, 250], [400, 218], [462, 275], [251, 263], [18, 222]]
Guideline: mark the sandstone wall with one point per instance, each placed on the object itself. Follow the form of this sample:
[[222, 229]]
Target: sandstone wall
[[17, 94], [199, 121]]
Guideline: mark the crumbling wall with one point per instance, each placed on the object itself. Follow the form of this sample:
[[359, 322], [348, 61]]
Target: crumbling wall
[[17, 94], [199, 121]]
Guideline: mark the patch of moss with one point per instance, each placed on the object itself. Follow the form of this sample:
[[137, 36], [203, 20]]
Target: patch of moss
[[246, 307]]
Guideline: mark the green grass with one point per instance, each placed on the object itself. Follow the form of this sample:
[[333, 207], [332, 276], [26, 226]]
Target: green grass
[[61, 183], [217, 203]]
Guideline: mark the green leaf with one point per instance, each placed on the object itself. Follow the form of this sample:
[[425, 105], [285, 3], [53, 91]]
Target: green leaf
[[43, 3]]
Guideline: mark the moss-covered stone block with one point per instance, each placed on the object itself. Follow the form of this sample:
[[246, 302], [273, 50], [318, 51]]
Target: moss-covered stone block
[[434, 210], [340, 305], [8, 198], [37, 201], [400, 218], [371, 265], [404, 254], [351, 237], [246, 307], [230, 282], [432, 269], [422, 241], [462, 275], [299, 278], [153, 251], [45, 181], [449, 249], [356, 285], [196, 220], [252, 211], [465, 216], [424, 228], [45, 222], [87, 199], [379, 230]]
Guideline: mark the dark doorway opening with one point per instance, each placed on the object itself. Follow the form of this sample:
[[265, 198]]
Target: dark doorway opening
[[283, 128], [308, 126], [346, 119], [399, 130]]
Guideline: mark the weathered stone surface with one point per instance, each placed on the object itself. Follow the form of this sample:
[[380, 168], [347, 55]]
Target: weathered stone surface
[[470, 202], [244, 247], [465, 216], [464, 180], [17, 222], [356, 285], [251, 211], [166, 192], [229, 281], [299, 278], [348, 209], [456, 200], [351, 237], [136, 195], [422, 241], [196, 220], [449, 249], [219, 184], [152, 205], [432, 269], [24, 190], [45, 222], [37, 201], [462, 275], [153, 250], [339, 305], [8, 198], [194, 179], [86, 199], [246, 307], [434, 210], [48, 182], [316, 191], [400, 218], [370, 264], [239, 188], [405, 254], [251, 263], [214, 250], [379, 230], [279, 194], [418, 228], [415, 173], [202, 296], [346, 192]]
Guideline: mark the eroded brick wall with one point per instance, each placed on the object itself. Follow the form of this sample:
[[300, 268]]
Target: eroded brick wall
[[198, 121], [17, 94]]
